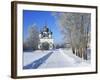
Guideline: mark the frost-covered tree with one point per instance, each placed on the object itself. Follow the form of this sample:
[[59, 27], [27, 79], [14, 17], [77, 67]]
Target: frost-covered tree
[[75, 27], [32, 40]]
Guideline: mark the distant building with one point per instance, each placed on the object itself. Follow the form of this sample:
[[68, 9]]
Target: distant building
[[46, 41]]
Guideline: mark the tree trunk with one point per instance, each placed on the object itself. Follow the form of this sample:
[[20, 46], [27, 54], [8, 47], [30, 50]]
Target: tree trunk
[[73, 49]]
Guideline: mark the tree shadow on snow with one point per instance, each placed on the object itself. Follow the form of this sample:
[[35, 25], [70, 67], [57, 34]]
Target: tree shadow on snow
[[35, 64]]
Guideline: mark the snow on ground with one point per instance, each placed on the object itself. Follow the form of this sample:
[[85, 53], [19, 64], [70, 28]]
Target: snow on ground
[[77, 61], [52, 59], [63, 58], [29, 57]]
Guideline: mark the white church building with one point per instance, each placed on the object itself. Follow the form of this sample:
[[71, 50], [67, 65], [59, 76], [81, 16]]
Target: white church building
[[46, 41]]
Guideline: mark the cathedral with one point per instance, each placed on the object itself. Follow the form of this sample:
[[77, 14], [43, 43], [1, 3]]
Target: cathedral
[[45, 39]]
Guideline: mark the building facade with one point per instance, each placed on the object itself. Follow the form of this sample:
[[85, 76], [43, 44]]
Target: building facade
[[46, 41]]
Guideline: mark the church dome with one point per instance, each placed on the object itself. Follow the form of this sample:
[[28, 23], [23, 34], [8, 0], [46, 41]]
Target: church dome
[[45, 29]]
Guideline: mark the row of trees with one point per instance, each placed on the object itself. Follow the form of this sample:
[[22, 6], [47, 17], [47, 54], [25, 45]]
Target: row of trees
[[76, 28], [32, 40]]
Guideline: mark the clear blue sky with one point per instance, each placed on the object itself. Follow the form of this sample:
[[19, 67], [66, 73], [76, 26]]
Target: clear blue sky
[[40, 18]]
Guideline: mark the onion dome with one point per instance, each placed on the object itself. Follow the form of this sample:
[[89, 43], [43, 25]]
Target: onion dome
[[45, 29]]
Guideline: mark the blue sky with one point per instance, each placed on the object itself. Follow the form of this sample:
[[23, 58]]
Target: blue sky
[[40, 18]]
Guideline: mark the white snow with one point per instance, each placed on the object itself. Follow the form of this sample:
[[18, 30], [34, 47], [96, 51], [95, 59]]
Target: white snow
[[59, 58], [63, 58], [77, 61], [29, 57]]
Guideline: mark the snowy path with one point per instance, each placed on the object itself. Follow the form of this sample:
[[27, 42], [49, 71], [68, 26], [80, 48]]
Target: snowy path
[[29, 57], [54, 59], [61, 59]]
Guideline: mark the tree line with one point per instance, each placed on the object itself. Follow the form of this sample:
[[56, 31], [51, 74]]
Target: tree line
[[76, 28]]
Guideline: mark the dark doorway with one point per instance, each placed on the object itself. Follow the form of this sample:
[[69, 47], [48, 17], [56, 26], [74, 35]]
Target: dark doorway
[[45, 46]]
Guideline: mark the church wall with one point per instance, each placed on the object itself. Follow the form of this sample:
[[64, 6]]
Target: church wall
[[46, 40]]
